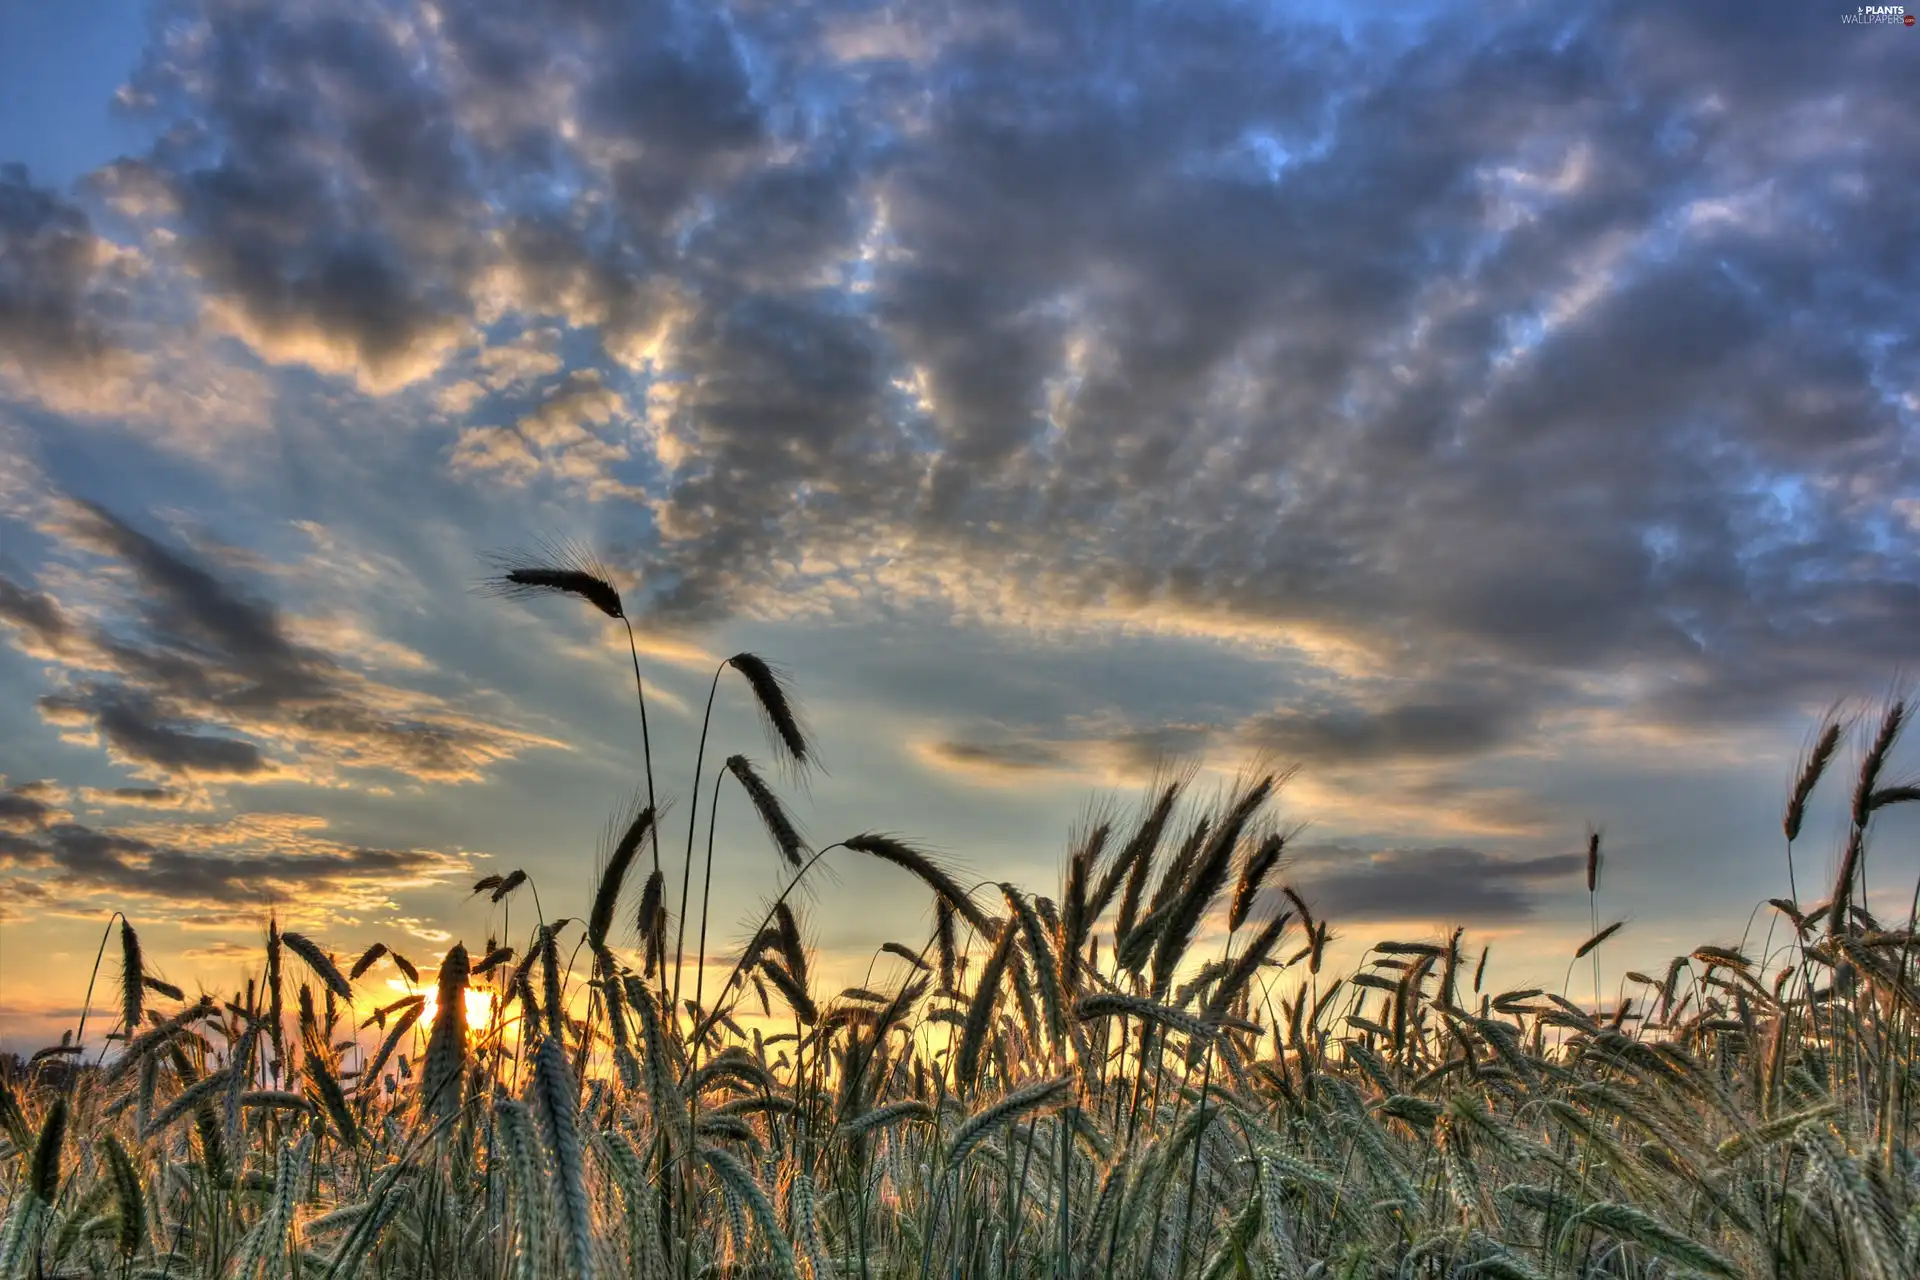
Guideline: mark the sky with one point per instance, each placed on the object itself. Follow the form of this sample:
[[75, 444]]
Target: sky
[[1504, 412]]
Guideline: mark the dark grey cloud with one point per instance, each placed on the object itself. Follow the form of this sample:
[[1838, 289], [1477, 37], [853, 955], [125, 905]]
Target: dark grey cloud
[[35, 614], [197, 615], [321, 191], [28, 807], [1417, 730], [74, 858], [1131, 754], [135, 729], [1142, 752], [1448, 883], [52, 269], [138, 797], [188, 676], [1557, 340], [1014, 757]]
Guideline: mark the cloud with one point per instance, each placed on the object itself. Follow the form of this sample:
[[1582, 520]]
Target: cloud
[[134, 732], [566, 436], [142, 798], [54, 275], [998, 758], [256, 859], [1100, 751], [329, 215], [41, 628], [422, 929], [190, 678], [1414, 730], [225, 952], [30, 806], [1448, 884], [88, 329]]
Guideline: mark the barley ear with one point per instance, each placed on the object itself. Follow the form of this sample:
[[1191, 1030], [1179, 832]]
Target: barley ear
[[785, 726], [556, 1103], [928, 871], [132, 980], [366, 961], [1017, 1105], [129, 1197], [1812, 766], [553, 568], [606, 895], [320, 962], [739, 1180], [527, 1192], [785, 834], [440, 1085], [1598, 938]]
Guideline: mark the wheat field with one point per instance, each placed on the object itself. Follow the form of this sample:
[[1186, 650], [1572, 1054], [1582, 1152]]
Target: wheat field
[[1147, 1071]]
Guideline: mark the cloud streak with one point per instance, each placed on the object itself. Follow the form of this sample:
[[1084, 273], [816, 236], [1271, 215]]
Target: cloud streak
[[1446, 884], [189, 678]]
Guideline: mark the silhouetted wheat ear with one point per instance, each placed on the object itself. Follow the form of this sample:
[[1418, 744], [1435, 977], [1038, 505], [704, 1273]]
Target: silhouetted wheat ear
[[1134, 860], [553, 568], [929, 872], [440, 1085], [556, 1103], [1209, 877], [986, 993], [548, 951], [792, 990], [606, 894], [780, 826], [1812, 766], [1841, 904], [906, 953], [1260, 861], [1593, 859], [43, 1178], [1074, 919], [946, 943], [1599, 938], [1240, 974], [1174, 875], [778, 711], [132, 979], [172, 990], [1045, 969], [508, 883], [1891, 722], [793, 951], [367, 960], [275, 1004], [650, 921], [405, 966], [320, 962]]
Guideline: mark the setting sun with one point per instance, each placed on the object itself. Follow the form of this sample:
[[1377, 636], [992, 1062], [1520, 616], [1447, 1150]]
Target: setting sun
[[479, 1002]]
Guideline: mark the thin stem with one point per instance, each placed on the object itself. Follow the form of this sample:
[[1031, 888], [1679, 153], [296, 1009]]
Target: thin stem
[[686, 872], [700, 965], [80, 1034], [711, 1016], [646, 739]]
